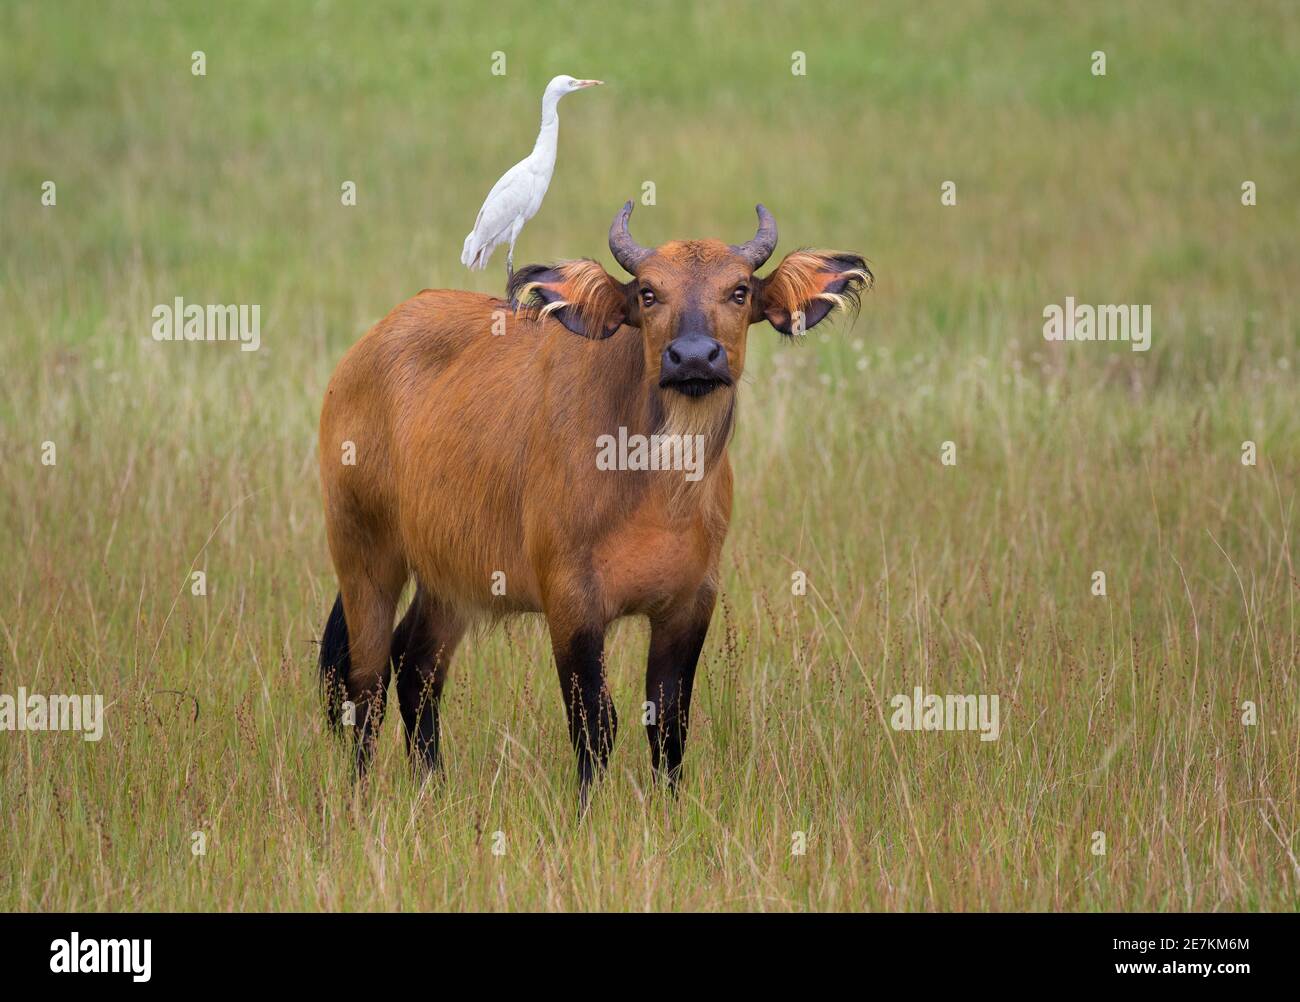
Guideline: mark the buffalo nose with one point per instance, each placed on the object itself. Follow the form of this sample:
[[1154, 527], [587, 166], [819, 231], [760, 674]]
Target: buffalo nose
[[695, 356]]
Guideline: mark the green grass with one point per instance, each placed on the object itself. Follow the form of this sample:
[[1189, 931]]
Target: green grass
[[1119, 714]]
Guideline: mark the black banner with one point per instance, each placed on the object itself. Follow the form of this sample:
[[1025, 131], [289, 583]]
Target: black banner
[[975, 951]]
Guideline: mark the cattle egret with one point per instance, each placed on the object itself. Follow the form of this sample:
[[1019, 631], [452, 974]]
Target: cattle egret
[[516, 198]]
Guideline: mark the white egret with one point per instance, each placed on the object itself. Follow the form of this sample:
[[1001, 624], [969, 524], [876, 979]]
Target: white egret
[[516, 198]]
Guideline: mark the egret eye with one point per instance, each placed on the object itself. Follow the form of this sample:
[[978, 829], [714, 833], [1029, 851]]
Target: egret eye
[[739, 295], [647, 297]]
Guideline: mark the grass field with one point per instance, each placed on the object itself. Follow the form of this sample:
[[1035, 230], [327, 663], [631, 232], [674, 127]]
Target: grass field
[[1120, 714]]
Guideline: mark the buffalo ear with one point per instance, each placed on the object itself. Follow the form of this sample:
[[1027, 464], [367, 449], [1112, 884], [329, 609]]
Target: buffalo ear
[[811, 284], [581, 295]]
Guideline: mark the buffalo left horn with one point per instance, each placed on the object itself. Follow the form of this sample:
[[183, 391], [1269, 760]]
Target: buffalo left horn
[[758, 250]]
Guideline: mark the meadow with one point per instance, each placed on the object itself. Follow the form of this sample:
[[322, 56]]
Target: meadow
[[1163, 715]]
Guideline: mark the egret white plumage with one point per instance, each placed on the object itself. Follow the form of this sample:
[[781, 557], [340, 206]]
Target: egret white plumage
[[516, 198]]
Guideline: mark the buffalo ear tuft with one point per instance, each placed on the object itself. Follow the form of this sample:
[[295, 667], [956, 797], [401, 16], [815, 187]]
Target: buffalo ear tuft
[[579, 294], [814, 283]]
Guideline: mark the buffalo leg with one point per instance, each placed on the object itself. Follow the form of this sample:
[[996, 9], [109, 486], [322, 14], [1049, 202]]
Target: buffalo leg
[[423, 645], [593, 724], [369, 605], [676, 640]]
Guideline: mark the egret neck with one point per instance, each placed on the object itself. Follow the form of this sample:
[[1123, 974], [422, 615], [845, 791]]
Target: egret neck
[[548, 137]]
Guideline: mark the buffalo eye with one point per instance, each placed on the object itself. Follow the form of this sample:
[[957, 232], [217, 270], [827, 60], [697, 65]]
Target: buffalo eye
[[647, 297], [739, 295]]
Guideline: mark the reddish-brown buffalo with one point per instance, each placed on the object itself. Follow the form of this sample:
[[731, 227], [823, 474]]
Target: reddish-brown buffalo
[[459, 445]]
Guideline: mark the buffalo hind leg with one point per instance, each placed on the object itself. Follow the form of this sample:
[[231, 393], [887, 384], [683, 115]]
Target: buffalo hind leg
[[676, 639], [370, 595], [593, 724], [423, 644]]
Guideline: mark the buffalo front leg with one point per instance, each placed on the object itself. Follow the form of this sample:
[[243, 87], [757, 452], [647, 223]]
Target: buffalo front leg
[[593, 724], [676, 640]]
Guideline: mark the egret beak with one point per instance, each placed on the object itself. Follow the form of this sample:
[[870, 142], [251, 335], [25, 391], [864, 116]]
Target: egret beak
[[589, 83]]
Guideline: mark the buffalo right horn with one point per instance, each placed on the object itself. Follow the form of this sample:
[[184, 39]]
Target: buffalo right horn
[[627, 252]]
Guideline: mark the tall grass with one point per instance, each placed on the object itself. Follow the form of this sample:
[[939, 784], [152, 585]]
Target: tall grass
[[1120, 714]]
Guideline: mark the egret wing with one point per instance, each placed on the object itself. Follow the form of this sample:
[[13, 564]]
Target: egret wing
[[506, 201]]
